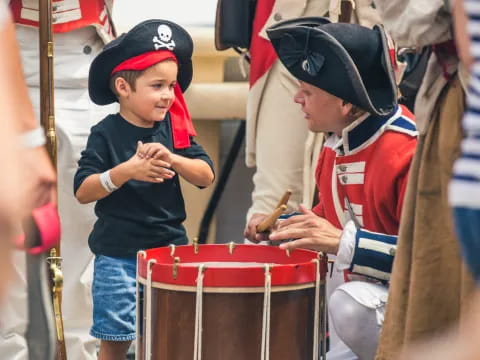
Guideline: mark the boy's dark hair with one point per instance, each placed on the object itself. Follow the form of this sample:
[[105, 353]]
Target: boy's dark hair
[[130, 77]]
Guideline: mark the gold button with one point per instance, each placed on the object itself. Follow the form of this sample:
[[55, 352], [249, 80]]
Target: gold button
[[344, 179], [392, 251], [277, 17], [343, 168]]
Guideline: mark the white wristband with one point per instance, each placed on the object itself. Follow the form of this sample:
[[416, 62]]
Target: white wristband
[[107, 182], [33, 138]]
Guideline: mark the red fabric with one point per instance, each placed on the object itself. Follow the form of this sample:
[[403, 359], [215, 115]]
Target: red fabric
[[47, 224], [182, 126], [145, 60], [93, 12], [443, 51], [290, 269], [262, 54], [380, 196]]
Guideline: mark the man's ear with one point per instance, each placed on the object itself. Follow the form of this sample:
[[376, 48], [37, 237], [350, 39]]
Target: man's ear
[[123, 87], [346, 108]]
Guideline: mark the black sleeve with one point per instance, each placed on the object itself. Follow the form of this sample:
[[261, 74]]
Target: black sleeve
[[94, 159], [196, 151]]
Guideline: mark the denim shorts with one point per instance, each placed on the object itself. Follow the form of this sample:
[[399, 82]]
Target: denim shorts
[[114, 293]]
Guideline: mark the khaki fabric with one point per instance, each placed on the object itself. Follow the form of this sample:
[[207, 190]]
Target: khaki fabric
[[416, 23], [276, 134], [428, 281]]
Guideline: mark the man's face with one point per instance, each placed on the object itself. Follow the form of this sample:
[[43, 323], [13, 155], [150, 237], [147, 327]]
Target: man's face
[[323, 111]]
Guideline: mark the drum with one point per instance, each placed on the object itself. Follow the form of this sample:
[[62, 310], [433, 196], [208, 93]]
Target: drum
[[230, 301]]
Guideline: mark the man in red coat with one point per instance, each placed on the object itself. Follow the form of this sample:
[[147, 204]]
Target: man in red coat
[[347, 90]]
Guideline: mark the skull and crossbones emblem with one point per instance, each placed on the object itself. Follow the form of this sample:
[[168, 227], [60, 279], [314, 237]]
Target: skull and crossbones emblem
[[164, 38]]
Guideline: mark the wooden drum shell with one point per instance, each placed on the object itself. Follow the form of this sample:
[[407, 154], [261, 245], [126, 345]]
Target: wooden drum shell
[[231, 324]]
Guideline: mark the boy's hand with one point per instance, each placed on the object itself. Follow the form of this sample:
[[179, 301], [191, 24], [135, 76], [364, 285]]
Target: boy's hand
[[154, 151], [148, 169]]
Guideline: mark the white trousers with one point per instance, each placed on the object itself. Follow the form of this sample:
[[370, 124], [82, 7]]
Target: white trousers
[[356, 311], [74, 115], [281, 134]]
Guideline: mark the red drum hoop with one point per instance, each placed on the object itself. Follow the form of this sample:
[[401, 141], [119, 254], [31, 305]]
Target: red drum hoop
[[231, 301], [293, 268]]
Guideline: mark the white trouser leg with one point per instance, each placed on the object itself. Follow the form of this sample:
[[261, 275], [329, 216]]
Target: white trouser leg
[[280, 141], [357, 316]]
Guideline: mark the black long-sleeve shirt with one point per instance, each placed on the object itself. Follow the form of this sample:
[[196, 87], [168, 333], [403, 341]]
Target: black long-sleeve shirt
[[139, 215]]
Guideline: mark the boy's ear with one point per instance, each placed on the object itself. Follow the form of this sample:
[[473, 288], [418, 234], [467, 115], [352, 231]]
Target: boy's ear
[[122, 86]]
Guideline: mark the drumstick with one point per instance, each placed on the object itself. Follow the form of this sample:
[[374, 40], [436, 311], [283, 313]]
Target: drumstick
[[284, 199], [270, 220]]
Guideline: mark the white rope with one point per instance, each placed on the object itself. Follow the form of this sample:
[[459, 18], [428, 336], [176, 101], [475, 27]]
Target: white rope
[[266, 315], [197, 346], [139, 321], [242, 64], [148, 300], [316, 317]]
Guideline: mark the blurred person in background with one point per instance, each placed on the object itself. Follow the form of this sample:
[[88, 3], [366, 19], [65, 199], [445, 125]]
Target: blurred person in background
[[28, 178], [429, 286], [461, 342], [81, 29]]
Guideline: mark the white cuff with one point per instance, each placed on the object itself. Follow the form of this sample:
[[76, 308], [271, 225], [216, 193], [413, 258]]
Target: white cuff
[[346, 249], [107, 182], [33, 138]]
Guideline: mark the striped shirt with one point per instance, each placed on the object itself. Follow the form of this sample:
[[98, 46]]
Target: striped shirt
[[464, 188]]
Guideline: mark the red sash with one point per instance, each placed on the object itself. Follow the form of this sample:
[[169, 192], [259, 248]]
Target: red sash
[[262, 53]]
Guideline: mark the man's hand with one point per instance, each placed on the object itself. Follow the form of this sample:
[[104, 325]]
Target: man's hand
[[40, 179], [309, 231], [148, 169], [250, 233]]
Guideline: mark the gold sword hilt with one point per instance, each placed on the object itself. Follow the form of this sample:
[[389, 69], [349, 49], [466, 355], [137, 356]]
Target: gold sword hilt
[[55, 263]]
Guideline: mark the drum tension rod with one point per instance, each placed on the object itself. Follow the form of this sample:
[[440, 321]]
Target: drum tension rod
[[195, 245], [172, 250], [176, 261], [231, 246]]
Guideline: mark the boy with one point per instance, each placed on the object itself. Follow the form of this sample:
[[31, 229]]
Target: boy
[[131, 166], [347, 90]]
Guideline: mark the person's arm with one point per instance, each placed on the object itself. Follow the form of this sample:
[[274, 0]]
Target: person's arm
[[195, 171], [11, 200], [462, 39], [192, 163], [18, 111], [95, 180]]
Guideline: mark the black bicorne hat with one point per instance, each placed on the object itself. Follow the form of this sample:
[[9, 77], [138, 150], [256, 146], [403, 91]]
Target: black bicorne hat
[[349, 61], [149, 35]]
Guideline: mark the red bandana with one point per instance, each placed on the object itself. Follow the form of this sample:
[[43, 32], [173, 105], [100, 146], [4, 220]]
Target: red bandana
[[182, 126]]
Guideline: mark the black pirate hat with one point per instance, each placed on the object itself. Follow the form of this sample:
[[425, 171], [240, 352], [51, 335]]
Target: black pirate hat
[[349, 61], [150, 35]]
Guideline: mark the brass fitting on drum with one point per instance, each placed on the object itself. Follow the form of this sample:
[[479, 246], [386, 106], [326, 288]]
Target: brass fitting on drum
[[195, 245], [231, 246], [172, 249], [176, 261]]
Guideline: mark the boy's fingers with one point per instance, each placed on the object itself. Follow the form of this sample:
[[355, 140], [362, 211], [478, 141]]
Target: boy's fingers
[[162, 172], [158, 163], [140, 150]]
